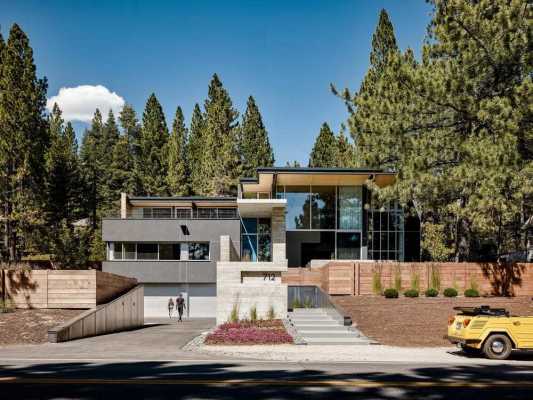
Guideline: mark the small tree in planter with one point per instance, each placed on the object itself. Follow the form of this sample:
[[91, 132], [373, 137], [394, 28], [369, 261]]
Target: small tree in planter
[[377, 288], [398, 278], [271, 313], [253, 313]]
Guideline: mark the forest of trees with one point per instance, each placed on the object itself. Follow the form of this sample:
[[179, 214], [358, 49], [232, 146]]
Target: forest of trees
[[48, 185], [455, 124]]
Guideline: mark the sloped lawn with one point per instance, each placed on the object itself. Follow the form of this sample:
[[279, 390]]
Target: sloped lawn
[[248, 332]]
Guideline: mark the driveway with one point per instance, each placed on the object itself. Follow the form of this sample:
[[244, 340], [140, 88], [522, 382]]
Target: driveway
[[158, 340]]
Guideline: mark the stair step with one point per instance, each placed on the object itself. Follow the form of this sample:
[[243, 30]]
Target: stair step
[[313, 324], [328, 335], [333, 340]]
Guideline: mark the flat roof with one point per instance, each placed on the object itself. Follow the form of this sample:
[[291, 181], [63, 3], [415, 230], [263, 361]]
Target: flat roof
[[183, 198]]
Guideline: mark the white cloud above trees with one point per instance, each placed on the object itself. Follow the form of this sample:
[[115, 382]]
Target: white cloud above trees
[[79, 103]]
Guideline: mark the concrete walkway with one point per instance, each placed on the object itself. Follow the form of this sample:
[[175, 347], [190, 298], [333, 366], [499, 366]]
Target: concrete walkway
[[158, 340]]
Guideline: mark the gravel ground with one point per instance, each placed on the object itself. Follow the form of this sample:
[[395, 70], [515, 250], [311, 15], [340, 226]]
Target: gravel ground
[[347, 353], [31, 326]]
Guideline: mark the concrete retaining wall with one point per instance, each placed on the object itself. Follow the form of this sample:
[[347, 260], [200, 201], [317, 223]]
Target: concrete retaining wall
[[123, 313]]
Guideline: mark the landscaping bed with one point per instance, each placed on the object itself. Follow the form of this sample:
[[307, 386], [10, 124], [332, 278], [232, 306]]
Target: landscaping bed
[[417, 321], [249, 332], [31, 326]]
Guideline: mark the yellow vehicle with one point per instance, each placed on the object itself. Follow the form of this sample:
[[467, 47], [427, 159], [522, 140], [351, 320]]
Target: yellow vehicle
[[492, 331]]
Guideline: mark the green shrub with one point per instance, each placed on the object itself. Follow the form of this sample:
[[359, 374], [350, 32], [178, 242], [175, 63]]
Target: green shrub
[[390, 293], [411, 293], [271, 313], [253, 313], [431, 292], [296, 303], [450, 292], [471, 293], [307, 302], [376, 282]]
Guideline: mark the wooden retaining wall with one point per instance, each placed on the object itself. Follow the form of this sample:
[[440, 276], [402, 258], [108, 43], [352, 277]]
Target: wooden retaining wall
[[124, 313], [357, 278], [61, 288]]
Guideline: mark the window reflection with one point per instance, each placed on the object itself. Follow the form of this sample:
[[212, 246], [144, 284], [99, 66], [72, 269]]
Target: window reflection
[[323, 207], [298, 199]]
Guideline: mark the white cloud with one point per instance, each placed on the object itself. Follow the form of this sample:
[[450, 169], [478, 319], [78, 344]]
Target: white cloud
[[79, 103]]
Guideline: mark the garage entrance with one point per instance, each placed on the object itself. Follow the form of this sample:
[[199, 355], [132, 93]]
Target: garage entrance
[[200, 299]]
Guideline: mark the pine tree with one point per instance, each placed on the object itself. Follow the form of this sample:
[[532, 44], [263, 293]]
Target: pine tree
[[131, 132], [110, 137], [325, 151], [255, 147], [122, 177], [178, 175], [23, 142], [152, 148], [195, 151], [62, 172], [221, 160], [345, 152], [92, 167]]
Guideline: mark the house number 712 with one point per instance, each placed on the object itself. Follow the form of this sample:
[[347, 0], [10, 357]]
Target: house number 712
[[269, 277]]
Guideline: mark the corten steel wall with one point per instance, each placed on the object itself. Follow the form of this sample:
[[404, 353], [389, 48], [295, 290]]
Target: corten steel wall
[[124, 313], [356, 278], [62, 288]]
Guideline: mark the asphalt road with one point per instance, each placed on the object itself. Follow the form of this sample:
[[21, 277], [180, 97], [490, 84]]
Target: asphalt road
[[232, 379]]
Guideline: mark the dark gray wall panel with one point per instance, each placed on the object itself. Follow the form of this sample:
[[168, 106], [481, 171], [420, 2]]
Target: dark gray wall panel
[[164, 271]]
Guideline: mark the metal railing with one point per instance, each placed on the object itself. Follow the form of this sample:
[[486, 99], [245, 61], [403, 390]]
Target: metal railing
[[314, 297], [180, 213]]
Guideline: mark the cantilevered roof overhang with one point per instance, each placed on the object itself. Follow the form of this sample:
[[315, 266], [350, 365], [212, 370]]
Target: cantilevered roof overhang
[[271, 176], [185, 201]]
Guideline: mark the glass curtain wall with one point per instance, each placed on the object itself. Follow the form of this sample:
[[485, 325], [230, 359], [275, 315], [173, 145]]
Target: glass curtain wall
[[334, 212]]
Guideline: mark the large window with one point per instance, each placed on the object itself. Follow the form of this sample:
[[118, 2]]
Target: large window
[[118, 251], [386, 233], [350, 208], [298, 207], [256, 242], [323, 207], [199, 251], [348, 245]]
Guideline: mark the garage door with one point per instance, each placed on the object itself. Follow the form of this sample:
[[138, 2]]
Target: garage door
[[200, 299]]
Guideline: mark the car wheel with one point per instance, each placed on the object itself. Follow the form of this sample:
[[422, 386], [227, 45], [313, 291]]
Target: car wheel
[[471, 351], [497, 347]]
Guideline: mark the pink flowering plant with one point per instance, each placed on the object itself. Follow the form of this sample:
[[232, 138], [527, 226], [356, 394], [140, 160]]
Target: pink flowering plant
[[247, 332]]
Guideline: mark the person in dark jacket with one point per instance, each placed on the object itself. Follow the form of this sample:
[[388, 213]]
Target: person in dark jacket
[[180, 306]]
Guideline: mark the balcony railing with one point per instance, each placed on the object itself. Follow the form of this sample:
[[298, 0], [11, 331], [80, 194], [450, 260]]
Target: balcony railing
[[180, 213]]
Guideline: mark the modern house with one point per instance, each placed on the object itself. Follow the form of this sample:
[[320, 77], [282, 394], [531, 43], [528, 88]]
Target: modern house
[[291, 217]]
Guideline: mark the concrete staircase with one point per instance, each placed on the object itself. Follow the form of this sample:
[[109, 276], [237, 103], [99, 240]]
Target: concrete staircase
[[315, 326]]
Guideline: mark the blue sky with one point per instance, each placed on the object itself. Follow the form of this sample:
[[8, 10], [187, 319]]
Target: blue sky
[[284, 53]]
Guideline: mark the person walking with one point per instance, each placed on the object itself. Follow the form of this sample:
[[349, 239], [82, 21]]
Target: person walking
[[180, 306], [170, 307]]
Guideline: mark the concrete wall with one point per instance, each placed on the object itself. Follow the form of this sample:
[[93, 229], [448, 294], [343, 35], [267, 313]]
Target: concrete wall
[[123, 313], [164, 271], [355, 278], [163, 230], [62, 288]]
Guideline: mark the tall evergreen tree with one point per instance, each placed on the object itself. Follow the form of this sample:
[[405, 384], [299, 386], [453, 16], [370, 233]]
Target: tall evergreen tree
[[131, 135], [110, 138], [122, 177], [178, 175], [325, 151], [221, 162], [92, 167], [23, 142], [62, 171], [152, 149], [195, 151], [345, 152], [255, 146]]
